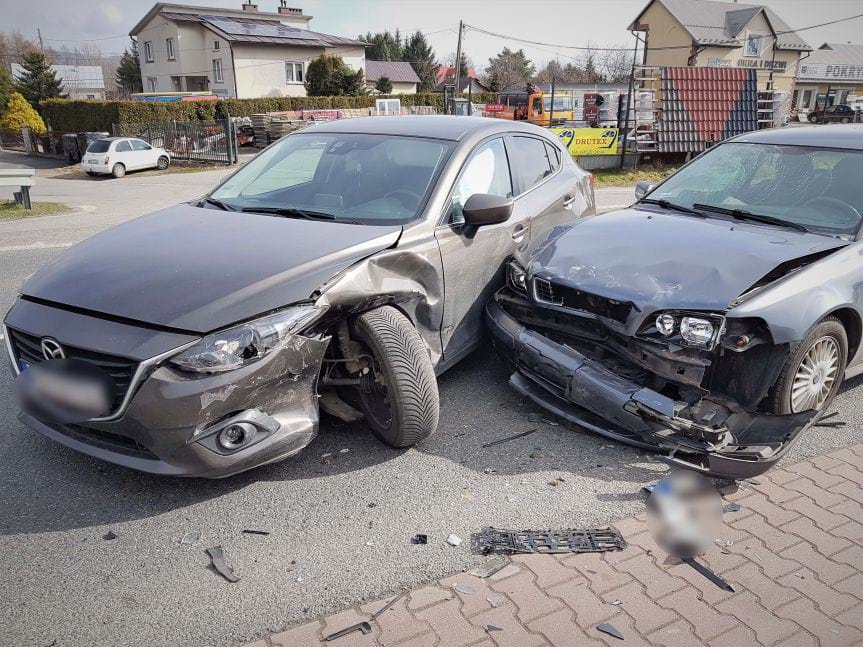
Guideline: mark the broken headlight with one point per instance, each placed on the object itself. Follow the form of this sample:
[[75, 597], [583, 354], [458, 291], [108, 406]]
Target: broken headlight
[[697, 331], [686, 329], [235, 347], [516, 277]]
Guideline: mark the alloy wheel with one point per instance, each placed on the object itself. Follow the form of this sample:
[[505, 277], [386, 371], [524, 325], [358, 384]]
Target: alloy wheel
[[815, 376]]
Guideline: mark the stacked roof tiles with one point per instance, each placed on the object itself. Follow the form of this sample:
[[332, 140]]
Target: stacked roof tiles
[[700, 106]]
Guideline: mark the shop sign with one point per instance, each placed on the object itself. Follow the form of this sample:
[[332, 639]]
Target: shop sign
[[589, 141]]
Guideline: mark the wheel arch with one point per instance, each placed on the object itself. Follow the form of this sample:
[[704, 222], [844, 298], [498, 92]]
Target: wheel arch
[[853, 324]]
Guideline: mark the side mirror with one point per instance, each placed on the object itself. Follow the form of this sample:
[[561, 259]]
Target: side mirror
[[486, 209], [642, 189]]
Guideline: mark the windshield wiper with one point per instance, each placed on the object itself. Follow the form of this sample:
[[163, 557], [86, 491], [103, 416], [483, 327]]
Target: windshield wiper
[[742, 214], [291, 212], [665, 204], [222, 205]]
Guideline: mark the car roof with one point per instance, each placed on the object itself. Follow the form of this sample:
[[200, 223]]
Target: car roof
[[450, 127], [848, 136]]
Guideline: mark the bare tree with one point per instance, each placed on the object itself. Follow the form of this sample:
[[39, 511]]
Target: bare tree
[[614, 66]]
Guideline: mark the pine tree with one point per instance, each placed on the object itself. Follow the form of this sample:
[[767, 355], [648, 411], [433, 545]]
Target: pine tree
[[384, 85], [420, 55], [329, 76], [20, 114], [384, 46], [128, 77], [38, 81], [6, 88]]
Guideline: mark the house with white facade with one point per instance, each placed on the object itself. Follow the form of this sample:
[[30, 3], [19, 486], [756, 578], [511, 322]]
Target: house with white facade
[[238, 53], [401, 74]]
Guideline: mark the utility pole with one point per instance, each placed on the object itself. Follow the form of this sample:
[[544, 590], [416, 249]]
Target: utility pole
[[458, 59], [41, 46]]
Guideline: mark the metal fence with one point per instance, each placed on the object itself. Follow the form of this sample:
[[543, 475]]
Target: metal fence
[[17, 140], [196, 141]]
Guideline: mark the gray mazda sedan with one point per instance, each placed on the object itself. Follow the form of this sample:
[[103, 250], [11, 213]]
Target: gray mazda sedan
[[713, 319], [341, 269]]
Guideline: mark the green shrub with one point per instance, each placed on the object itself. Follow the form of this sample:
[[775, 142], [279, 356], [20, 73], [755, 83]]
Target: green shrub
[[20, 114]]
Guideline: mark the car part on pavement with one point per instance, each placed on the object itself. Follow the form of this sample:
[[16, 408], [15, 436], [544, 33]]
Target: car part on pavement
[[592, 540], [706, 572], [253, 531], [217, 561], [364, 627], [108, 536], [610, 629], [420, 539], [509, 438], [491, 568]]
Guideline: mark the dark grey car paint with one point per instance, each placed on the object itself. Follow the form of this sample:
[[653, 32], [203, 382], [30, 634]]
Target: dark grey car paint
[[159, 282]]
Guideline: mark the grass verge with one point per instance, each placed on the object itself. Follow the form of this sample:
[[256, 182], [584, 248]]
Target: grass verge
[[9, 210], [629, 177]]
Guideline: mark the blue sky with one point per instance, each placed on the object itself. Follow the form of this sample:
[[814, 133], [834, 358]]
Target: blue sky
[[102, 23]]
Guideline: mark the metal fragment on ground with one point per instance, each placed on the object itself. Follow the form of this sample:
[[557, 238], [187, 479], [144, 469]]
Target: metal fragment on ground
[[389, 604], [509, 438], [363, 627], [420, 539], [254, 531], [710, 575], [731, 507], [611, 630], [217, 561], [108, 536], [585, 540], [490, 628]]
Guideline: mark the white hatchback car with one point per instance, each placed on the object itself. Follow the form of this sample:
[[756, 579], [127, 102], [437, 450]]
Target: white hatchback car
[[116, 155]]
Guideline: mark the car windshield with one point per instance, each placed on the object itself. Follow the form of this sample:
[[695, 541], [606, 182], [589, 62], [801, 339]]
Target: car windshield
[[99, 146], [818, 188], [367, 179]]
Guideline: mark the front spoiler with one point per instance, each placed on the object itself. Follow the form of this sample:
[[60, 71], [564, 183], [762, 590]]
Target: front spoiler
[[585, 392]]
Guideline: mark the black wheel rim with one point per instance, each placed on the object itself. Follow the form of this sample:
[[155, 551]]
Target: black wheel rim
[[375, 396]]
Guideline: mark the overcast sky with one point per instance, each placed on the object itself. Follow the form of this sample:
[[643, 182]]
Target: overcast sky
[[569, 22]]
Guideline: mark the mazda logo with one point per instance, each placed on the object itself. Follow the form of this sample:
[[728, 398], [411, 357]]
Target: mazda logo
[[51, 349]]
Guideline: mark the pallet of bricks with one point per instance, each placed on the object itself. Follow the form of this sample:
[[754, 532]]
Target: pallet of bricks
[[701, 106]]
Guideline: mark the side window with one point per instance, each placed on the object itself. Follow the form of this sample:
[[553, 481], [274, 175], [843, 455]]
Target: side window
[[138, 145], [487, 171], [553, 156], [533, 161], [123, 146]]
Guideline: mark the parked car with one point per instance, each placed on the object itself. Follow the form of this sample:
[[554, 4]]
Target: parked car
[[840, 114], [713, 319], [117, 155], [346, 265]]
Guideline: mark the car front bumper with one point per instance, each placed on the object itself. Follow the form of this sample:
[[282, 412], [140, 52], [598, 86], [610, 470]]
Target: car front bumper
[[564, 381], [170, 422]]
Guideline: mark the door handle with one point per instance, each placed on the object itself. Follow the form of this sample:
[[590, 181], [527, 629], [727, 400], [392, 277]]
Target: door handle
[[518, 233], [568, 200]]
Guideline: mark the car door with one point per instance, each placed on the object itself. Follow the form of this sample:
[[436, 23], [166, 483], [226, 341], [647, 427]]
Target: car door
[[550, 185], [473, 257], [144, 154], [123, 154]]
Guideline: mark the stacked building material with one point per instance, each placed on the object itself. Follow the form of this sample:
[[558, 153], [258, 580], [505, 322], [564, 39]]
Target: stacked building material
[[700, 106], [261, 123], [281, 125]]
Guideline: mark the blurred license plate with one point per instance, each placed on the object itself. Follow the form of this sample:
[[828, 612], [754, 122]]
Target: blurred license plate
[[62, 390]]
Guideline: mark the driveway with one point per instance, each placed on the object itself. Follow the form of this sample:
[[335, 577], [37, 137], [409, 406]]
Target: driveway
[[340, 531]]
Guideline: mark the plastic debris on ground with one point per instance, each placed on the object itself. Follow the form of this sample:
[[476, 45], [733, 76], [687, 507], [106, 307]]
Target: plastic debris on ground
[[588, 540], [490, 628], [731, 507], [420, 539], [191, 538], [217, 561], [454, 540], [108, 536], [487, 570], [497, 600], [611, 630], [254, 531], [464, 589]]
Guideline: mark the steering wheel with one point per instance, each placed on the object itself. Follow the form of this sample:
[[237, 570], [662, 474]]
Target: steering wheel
[[836, 205], [405, 193]]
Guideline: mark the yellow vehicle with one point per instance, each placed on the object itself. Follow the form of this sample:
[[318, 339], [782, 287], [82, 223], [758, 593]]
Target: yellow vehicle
[[534, 106]]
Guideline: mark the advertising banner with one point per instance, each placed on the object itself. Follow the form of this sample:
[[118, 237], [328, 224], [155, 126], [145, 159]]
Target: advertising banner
[[590, 141]]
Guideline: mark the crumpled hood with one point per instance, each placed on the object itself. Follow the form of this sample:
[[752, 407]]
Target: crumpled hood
[[200, 269], [667, 260]]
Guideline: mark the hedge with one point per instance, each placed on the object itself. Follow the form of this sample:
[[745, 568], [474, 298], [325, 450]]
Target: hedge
[[75, 116]]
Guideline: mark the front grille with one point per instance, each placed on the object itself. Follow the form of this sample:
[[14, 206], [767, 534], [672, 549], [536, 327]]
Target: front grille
[[121, 370], [107, 440], [546, 291]]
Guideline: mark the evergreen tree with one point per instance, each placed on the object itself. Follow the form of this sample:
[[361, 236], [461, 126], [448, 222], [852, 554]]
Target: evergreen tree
[[128, 77], [329, 76], [509, 70], [384, 46], [420, 55], [6, 88], [384, 85], [38, 81], [20, 114]]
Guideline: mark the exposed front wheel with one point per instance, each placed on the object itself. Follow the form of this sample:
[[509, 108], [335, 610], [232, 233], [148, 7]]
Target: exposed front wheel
[[163, 162], [812, 375], [398, 395], [119, 170]]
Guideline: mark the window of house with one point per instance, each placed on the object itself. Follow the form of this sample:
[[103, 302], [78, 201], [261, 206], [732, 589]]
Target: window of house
[[216, 44], [293, 72], [533, 161], [807, 99], [753, 45], [487, 171], [148, 51], [169, 47], [152, 83], [217, 70]]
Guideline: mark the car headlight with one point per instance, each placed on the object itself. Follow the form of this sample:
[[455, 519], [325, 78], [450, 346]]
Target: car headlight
[[235, 347], [697, 331], [517, 277]]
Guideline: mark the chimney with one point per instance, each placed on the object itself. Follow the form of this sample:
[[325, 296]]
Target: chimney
[[285, 10], [250, 8]]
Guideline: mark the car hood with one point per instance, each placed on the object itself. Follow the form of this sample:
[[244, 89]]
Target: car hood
[[198, 269], [660, 260]]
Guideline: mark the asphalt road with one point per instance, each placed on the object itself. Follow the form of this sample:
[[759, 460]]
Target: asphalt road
[[340, 532]]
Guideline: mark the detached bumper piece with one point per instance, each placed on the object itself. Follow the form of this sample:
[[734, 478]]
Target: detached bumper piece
[[592, 540], [564, 381]]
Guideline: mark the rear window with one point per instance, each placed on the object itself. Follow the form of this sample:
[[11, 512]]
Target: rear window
[[533, 161], [99, 146]]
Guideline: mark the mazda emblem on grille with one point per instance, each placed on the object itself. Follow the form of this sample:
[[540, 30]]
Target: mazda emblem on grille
[[51, 349]]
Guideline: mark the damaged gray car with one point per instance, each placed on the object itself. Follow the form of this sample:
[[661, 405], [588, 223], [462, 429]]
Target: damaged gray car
[[712, 320], [341, 269]]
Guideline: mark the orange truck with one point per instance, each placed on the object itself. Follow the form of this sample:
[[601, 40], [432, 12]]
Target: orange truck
[[533, 106]]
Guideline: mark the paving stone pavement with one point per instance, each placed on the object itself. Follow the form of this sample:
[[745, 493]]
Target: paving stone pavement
[[795, 560]]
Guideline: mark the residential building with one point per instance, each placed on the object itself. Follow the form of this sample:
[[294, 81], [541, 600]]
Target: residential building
[[830, 75], [400, 73], [445, 75], [78, 81], [242, 53], [707, 33]]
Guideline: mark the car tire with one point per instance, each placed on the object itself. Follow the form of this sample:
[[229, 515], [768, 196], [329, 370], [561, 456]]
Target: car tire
[[831, 335], [163, 162], [118, 170], [399, 396], [90, 173], [812, 119], [845, 120]]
